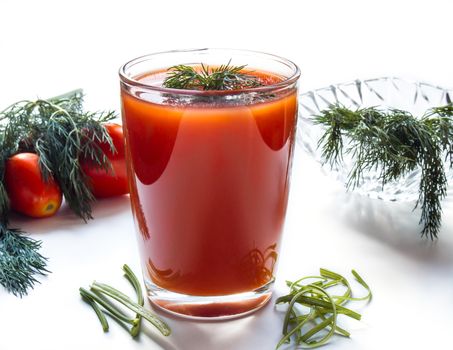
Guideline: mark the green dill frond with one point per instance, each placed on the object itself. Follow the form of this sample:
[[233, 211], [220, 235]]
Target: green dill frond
[[396, 143], [182, 77], [20, 261], [224, 77]]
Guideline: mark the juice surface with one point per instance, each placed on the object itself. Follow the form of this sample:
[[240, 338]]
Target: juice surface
[[209, 188]]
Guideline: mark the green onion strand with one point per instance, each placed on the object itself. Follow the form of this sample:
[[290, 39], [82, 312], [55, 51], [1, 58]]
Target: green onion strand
[[317, 325], [126, 301], [135, 330], [100, 295], [87, 297]]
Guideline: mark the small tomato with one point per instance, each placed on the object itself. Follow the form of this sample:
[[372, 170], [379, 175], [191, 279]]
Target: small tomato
[[29, 194], [111, 183]]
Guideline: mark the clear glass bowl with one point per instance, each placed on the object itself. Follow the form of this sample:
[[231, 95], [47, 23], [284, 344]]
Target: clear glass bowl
[[386, 92]]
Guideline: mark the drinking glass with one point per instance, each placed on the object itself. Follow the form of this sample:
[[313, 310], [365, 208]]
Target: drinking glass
[[209, 179]]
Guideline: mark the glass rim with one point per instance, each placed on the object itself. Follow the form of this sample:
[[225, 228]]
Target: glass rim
[[281, 84]]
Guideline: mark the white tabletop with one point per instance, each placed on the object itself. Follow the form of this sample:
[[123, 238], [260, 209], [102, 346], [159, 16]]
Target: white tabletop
[[49, 47]]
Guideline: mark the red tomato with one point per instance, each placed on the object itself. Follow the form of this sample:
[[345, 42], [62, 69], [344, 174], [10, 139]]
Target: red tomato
[[29, 194], [109, 183]]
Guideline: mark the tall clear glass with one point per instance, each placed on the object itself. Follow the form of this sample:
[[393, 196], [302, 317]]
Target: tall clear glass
[[209, 180]]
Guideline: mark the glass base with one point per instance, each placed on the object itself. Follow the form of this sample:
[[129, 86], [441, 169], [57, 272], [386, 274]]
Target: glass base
[[209, 307]]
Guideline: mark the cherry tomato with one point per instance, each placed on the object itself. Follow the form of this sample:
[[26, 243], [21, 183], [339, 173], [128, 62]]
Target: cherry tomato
[[109, 183], [29, 194]]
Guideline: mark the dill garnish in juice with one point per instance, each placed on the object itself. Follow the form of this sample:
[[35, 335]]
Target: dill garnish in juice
[[209, 177]]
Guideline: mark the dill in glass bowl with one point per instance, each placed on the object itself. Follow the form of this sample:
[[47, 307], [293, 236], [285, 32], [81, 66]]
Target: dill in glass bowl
[[386, 94]]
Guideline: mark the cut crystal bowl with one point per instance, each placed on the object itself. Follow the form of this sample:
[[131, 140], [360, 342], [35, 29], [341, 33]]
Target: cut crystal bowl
[[386, 92]]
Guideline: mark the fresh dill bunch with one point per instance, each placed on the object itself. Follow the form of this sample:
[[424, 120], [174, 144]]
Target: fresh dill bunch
[[224, 77], [394, 142], [62, 135]]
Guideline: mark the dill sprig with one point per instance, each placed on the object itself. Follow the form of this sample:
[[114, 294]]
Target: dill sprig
[[204, 77], [394, 142], [62, 135], [20, 261]]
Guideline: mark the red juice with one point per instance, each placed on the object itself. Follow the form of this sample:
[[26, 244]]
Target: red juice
[[209, 186]]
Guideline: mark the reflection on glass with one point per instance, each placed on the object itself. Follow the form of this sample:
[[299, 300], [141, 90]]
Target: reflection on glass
[[162, 277], [258, 266]]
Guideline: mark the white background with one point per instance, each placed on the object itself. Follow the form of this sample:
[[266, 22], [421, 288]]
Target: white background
[[49, 47]]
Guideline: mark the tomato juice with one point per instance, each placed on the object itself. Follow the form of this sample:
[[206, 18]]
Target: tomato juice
[[211, 187]]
